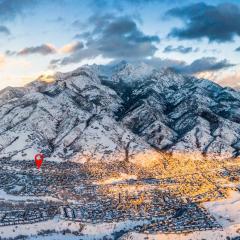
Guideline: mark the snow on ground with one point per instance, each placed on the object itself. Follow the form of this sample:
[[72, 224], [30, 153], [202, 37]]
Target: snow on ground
[[100, 230], [34, 229], [206, 235], [90, 231], [226, 211], [56, 236], [6, 196]]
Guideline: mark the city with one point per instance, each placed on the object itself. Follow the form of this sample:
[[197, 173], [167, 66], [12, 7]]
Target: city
[[94, 193]]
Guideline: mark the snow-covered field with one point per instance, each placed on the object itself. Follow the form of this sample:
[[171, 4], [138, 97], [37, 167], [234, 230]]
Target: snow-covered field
[[89, 231], [226, 211], [6, 196], [34, 229]]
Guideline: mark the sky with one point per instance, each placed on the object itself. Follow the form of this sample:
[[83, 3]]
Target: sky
[[41, 37]]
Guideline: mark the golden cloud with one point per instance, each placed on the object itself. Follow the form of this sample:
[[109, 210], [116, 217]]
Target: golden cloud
[[232, 80], [224, 77], [71, 47], [47, 76]]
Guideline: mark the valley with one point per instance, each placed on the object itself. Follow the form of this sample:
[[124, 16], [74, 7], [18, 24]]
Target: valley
[[159, 201], [129, 150]]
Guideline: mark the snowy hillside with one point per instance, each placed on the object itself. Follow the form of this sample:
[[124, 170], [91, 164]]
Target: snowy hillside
[[119, 113]]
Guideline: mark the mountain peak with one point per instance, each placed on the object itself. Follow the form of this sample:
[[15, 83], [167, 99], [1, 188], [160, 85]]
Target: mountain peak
[[116, 112]]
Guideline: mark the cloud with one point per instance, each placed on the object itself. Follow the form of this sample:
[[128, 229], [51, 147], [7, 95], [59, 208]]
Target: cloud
[[72, 47], [217, 23], [43, 49], [237, 49], [83, 35], [113, 37], [221, 71], [10, 53], [79, 24], [4, 30], [232, 80], [204, 64], [229, 77], [165, 63], [180, 49], [75, 57], [47, 76], [47, 49]]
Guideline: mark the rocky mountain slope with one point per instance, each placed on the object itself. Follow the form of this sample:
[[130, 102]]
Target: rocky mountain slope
[[123, 112]]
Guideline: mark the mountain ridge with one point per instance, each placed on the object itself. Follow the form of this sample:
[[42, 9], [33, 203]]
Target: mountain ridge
[[121, 112]]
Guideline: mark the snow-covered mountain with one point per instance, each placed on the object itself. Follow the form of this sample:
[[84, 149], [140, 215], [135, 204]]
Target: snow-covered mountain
[[122, 112]]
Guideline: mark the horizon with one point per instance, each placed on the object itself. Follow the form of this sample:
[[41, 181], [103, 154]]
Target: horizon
[[39, 38], [50, 78]]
